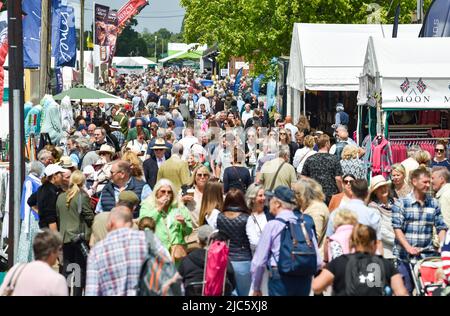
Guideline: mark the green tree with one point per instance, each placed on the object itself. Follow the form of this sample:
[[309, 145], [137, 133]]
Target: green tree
[[262, 29], [130, 42]]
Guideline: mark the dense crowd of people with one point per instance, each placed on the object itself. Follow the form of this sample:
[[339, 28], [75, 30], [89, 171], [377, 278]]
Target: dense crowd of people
[[185, 160]]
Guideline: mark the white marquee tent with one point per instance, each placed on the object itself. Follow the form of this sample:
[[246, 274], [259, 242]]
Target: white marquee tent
[[329, 57], [132, 64]]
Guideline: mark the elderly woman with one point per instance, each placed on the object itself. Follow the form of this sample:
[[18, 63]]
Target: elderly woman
[[351, 164], [173, 221], [310, 200], [399, 186], [102, 176]]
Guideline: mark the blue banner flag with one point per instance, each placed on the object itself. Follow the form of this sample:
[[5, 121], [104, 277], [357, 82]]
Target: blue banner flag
[[257, 84], [59, 80], [437, 20], [64, 46], [237, 82], [31, 37]]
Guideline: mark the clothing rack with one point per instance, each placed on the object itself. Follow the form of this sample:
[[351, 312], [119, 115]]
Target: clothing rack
[[418, 139]]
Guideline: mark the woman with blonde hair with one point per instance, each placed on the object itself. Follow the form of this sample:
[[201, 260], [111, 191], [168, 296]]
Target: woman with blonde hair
[[339, 242], [173, 221], [212, 203], [351, 164], [400, 188], [137, 170], [75, 220], [336, 273], [303, 123], [284, 137], [310, 199], [304, 153], [193, 198]]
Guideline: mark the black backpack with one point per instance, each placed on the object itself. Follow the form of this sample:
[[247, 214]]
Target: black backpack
[[365, 275]]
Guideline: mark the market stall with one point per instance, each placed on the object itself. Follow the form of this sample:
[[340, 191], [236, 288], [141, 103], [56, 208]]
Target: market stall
[[132, 64], [330, 57], [408, 79]]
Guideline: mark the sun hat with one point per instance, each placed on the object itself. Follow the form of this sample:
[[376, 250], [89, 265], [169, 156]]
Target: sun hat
[[66, 162], [115, 125], [106, 149], [159, 144], [377, 182]]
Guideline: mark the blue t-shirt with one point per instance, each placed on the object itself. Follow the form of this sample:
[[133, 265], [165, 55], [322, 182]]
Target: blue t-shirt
[[444, 163]]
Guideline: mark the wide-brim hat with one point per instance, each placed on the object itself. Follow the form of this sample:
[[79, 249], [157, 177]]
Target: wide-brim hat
[[159, 144], [115, 125], [66, 162], [377, 182], [106, 149]]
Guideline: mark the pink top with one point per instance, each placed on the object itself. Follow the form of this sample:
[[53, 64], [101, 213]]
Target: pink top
[[37, 279], [342, 237]]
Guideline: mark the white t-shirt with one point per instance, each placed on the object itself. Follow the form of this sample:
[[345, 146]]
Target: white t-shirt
[[212, 218], [246, 115], [187, 143]]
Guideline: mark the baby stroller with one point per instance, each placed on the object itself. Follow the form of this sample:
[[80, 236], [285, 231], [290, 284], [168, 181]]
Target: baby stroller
[[424, 272], [425, 276]]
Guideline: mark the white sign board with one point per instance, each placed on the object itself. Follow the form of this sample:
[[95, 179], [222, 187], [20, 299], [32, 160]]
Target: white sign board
[[242, 64], [416, 93], [224, 72]]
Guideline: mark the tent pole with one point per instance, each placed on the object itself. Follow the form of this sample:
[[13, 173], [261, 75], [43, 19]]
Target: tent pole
[[304, 103]]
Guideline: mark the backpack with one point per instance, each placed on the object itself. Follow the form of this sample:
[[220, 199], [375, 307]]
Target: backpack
[[361, 275], [158, 276], [215, 273], [298, 255]]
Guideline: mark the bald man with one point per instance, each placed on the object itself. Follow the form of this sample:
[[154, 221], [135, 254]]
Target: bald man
[[291, 127]]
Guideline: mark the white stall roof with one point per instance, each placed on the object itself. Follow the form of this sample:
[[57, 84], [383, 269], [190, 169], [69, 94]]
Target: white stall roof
[[411, 73], [330, 57]]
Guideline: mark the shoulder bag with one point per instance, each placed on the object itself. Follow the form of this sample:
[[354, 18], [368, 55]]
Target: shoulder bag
[[276, 175]]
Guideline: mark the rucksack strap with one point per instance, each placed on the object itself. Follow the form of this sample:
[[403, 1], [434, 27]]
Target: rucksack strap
[[276, 175]]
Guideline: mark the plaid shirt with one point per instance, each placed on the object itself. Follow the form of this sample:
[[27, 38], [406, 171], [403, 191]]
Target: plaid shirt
[[114, 264], [120, 137], [416, 222]]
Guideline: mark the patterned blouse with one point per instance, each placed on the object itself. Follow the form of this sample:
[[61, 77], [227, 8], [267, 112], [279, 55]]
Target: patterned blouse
[[354, 167]]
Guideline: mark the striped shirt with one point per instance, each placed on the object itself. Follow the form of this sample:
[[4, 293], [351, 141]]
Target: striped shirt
[[114, 264], [416, 222]]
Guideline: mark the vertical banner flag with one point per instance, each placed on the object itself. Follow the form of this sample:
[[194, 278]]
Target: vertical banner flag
[[129, 10], [112, 32], [3, 48], [64, 36], [237, 82], [437, 20], [257, 84], [31, 23], [59, 80], [100, 34]]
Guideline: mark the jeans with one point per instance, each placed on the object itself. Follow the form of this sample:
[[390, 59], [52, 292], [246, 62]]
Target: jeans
[[242, 276], [405, 271], [283, 285]]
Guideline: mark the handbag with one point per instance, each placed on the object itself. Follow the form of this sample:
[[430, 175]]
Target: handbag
[[178, 252], [9, 289]]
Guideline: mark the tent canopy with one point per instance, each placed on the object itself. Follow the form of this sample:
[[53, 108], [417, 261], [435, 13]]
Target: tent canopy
[[132, 61], [88, 95], [409, 73], [329, 57]]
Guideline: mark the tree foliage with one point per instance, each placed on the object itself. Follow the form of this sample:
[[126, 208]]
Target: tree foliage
[[130, 42], [261, 29]]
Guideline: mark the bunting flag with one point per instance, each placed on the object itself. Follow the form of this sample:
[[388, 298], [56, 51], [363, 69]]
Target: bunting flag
[[437, 20], [237, 82], [3, 48], [128, 11]]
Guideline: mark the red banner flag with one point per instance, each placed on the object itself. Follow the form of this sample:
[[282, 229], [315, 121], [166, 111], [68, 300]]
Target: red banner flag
[[3, 49], [129, 10]]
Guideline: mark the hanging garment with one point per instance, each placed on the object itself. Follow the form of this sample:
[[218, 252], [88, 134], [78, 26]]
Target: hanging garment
[[381, 157]]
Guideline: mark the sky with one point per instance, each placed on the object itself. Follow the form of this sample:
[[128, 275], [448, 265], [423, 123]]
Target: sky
[[158, 14]]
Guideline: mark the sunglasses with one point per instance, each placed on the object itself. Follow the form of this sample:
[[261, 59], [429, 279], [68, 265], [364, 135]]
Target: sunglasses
[[282, 133], [165, 192], [202, 175], [348, 181], [439, 150]]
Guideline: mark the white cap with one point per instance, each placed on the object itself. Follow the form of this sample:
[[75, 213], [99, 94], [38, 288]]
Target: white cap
[[53, 169]]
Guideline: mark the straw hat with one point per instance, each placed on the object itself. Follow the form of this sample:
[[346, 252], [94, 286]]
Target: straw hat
[[115, 125], [159, 144], [106, 149], [66, 162], [377, 182]]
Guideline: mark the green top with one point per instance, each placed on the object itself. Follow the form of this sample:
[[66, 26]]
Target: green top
[[123, 122], [168, 229], [132, 134]]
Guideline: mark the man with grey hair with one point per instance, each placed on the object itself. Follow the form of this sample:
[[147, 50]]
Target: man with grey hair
[[114, 263], [175, 169], [267, 254], [440, 178], [37, 278], [45, 157], [278, 171], [342, 140]]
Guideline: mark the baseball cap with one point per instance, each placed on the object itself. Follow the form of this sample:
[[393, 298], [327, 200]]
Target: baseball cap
[[129, 196], [53, 169], [282, 193], [204, 232]]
